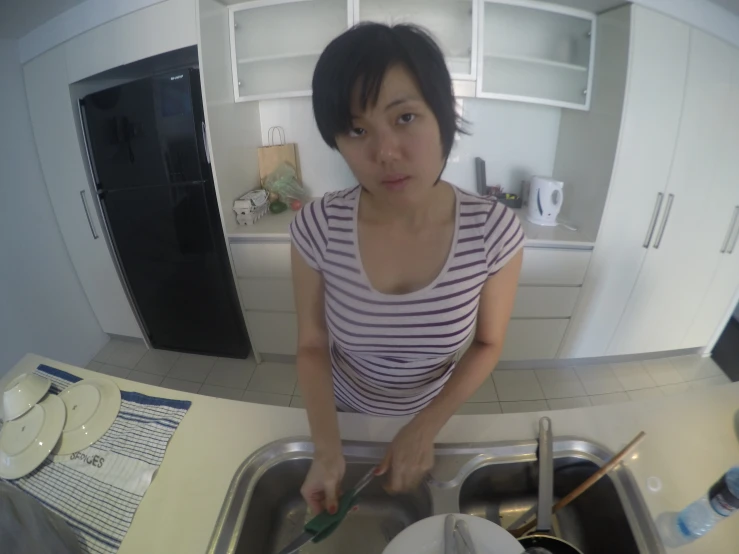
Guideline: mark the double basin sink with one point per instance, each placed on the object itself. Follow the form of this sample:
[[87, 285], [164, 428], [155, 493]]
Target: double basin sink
[[264, 511]]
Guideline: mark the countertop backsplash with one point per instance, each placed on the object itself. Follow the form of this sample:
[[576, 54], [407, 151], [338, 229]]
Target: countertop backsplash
[[516, 140]]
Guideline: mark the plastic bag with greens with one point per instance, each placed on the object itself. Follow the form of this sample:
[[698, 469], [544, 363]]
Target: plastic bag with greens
[[283, 182]]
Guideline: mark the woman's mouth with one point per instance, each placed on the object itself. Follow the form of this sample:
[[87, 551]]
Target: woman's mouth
[[395, 182]]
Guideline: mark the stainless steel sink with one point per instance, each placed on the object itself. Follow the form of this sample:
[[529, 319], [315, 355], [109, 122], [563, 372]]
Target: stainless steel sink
[[263, 509]]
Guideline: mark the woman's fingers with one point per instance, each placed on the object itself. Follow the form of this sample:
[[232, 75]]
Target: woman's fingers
[[331, 501], [314, 499]]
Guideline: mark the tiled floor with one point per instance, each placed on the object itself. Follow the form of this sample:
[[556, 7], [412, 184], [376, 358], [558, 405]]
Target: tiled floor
[[506, 391]]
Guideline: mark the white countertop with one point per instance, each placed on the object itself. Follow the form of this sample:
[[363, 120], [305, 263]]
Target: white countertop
[[691, 440], [275, 227]]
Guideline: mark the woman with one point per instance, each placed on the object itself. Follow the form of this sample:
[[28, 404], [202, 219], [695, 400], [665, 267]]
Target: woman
[[392, 277]]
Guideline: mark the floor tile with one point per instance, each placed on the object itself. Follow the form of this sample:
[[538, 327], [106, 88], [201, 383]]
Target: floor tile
[[645, 394], [611, 398], [114, 371], [231, 373], [274, 378], [663, 372], [297, 402], [181, 385], [525, 406], [94, 366], [192, 367], [677, 388], [692, 368], [633, 376], [568, 403], [486, 392], [221, 392], [709, 382], [479, 408], [107, 350], [148, 378], [598, 379], [514, 385], [266, 398], [560, 383], [158, 362], [127, 354]]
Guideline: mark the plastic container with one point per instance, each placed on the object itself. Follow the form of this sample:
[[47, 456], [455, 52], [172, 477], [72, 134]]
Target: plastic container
[[721, 501]]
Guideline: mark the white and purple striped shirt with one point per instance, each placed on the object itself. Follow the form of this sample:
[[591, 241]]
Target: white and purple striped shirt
[[391, 354]]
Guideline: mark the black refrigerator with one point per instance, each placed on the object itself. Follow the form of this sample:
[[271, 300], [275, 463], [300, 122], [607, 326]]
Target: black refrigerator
[[151, 168]]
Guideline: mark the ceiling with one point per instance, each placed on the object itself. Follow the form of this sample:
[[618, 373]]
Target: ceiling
[[18, 17]]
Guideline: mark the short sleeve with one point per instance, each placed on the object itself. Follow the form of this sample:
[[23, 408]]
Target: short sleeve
[[303, 234], [504, 237]]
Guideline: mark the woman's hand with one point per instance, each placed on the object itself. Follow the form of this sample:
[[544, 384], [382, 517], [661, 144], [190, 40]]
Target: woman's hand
[[321, 488], [409, 458]]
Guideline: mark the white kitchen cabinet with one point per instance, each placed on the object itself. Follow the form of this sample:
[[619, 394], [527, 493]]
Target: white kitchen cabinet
[[156, 29], [554, 266], [273, 332], [53, 120], [453, 24], [545, 302], [657, 67], [533, 339], [535, 52], [261, 259], [689, 234], [720, 298], [275, 294], [275, 44]]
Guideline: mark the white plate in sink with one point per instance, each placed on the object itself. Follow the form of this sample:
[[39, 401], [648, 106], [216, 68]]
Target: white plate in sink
[[427, 537]]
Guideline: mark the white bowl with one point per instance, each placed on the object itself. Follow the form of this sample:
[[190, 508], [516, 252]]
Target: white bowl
[[23, 393], [427, 537]]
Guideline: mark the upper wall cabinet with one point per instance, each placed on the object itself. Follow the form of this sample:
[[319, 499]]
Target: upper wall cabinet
[[451, 22], [275, 44], [535, 52]]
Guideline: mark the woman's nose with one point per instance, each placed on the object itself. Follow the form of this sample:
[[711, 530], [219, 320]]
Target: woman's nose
[[387, 148]]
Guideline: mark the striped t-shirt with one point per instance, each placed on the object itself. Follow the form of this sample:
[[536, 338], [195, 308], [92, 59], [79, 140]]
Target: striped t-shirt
[[391, 354]]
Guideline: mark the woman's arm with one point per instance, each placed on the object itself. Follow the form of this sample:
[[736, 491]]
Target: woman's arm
[[411, 455], [316, 386]]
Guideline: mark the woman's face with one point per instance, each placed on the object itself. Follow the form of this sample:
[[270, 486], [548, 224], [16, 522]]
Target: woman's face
[[394, 147]]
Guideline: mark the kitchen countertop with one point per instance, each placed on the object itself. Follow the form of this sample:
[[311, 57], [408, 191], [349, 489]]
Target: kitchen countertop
[[275, 228], [691, 440]]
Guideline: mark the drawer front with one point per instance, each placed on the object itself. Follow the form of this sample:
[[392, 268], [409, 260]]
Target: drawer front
[[545, 301], [533, 339], [552, 266], [272, 332], [268, 259], [268, 295]]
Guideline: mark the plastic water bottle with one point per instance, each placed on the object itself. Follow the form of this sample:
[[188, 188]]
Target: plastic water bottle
[[701, 516]]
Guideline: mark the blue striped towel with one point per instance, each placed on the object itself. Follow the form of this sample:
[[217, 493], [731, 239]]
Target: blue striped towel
[[98, 490]]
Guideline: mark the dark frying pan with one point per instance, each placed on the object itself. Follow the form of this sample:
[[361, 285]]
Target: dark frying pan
[[542, 541]]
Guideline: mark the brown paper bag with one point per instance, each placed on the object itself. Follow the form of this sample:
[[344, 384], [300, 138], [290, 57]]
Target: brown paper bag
[[273, 155]]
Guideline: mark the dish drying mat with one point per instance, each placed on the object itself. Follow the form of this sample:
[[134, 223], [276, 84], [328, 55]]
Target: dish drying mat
[[98, 490]]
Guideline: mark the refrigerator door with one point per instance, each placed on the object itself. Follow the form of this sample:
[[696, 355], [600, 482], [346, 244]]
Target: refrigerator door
[[182, 288], [143, 133]]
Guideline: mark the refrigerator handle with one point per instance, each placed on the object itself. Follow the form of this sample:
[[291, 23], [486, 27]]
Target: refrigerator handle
[[90, 161], [205, 142]]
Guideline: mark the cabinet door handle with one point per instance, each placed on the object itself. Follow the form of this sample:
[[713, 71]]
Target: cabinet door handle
[[668, 209], [87, 213], [653, 222], [730, 232], [736, 232], [90, 161], [205, 142]]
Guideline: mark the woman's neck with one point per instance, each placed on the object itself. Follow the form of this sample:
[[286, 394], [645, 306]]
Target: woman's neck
[[432, 209]]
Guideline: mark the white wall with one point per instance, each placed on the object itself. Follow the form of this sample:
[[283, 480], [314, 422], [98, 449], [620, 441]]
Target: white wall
[[43, 308], [516, 141], [736, 313]]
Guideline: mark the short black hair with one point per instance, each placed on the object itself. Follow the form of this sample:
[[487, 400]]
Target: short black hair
[[361, 56]]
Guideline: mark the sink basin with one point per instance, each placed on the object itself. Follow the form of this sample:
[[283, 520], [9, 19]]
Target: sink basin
[[263, 510]]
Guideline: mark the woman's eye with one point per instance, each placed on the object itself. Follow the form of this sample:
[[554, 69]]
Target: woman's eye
[[356, 132], [406, 118]]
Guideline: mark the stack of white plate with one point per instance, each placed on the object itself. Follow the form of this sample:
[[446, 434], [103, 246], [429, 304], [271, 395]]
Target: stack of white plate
[[37, 424]]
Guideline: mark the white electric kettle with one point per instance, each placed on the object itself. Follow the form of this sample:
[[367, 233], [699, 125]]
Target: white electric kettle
[[545, 200]]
